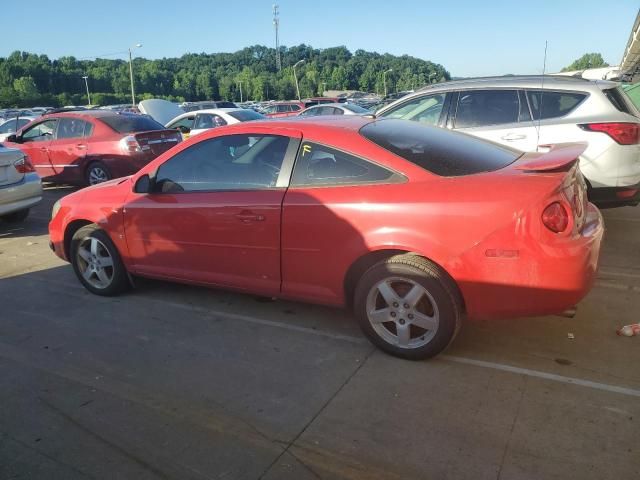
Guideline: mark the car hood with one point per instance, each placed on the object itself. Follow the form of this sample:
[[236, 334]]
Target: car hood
[[160, 110]]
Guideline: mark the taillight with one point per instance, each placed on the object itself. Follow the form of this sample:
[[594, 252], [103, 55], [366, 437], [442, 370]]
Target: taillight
[[623, 133], [555, 217], [129, 144], [24, 165]]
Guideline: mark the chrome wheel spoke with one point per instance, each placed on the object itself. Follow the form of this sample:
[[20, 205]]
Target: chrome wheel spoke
[[380, 316], [94, 246], [103, 277], [84, 254], [106, 262], [404, 334], [388, 293], [88, 272], [414, 295], [424, 321]]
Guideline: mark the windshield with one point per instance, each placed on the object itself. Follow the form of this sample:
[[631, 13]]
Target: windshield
[[438, 150], [131, 123], [246, 115]]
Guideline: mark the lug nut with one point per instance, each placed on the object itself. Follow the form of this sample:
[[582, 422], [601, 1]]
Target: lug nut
[[410, 316], [393, 314], [401, 321], [406, 305], [395, 304]]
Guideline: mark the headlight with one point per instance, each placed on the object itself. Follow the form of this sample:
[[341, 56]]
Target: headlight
[[54, 210]]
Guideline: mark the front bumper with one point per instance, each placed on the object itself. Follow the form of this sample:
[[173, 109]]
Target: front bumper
[[540, 279]]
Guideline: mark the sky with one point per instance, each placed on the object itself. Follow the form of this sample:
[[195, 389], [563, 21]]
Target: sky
[[467, 37]]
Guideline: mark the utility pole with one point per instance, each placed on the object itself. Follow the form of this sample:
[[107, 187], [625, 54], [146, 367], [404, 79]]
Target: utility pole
[[133, 92], [240, 83], [276, 25], [300, 62], [324, 88], [86, 82], [384, 80]]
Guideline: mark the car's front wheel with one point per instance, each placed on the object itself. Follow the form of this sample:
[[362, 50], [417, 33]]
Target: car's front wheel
[[408, 307], [97, 262], [98, 172]]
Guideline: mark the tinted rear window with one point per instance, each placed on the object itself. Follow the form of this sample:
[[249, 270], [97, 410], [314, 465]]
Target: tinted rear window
[[440, 151], [225, 105], [131, 123], [548, 104], [245, 115], [617, 98]]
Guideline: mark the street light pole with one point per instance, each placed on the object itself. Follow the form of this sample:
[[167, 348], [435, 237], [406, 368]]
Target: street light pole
[[240, 82], [300, 62], [86, 82], [384, 80], [133, 92]]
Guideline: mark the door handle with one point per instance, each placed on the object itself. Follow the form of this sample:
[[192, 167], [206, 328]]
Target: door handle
[[44, 149], [81, 146], [247, 217], [509, 137]]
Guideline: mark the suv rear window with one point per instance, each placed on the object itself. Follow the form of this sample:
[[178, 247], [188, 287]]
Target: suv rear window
[[617, 98], [440, 151], [131, 123], [554, 104]]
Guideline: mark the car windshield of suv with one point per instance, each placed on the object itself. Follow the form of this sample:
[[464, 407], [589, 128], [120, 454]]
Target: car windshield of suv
[[131, 123], [245, 115], [438, 150]]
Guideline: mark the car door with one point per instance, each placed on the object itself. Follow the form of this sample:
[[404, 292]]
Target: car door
[[68, 148], [35, 141], [214, 214], [500, 115], [206, 121]]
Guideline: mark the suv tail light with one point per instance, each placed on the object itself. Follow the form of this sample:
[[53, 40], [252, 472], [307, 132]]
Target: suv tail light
[[129, 144], [555, 217], [623, 133], [24, 165]]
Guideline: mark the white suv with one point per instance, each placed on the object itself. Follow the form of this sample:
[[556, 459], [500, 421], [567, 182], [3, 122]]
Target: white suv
[[530, 112]]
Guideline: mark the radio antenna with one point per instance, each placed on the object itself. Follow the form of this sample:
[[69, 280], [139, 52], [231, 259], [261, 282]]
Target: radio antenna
[[544, 69]]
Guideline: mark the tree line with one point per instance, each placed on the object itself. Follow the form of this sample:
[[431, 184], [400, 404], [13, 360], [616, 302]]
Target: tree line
[[28, 79]]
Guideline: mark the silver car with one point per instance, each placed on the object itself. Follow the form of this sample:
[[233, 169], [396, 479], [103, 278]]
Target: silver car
[[334, 109], [20, 185], [530, 112]]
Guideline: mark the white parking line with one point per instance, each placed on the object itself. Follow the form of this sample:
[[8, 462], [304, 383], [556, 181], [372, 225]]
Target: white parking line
[[612, 273], [544, 375], [617, 286]]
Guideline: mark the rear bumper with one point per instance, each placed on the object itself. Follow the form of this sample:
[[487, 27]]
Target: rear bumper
[[19, 196], [538, 280], [608, 197]]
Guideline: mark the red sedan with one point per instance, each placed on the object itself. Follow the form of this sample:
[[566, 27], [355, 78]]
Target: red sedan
[[91, 146], [411, 226]]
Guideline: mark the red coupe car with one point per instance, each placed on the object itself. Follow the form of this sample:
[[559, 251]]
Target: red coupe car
[[411, 226], [91, 146]]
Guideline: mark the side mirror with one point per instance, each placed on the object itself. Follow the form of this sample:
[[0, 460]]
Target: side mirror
[[13, 138], [144, 184]]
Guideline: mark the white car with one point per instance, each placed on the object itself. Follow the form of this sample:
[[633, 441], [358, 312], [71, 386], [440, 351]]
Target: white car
[[192, 123], [334, 109], [12, 125], [530, 112], [20, 185]]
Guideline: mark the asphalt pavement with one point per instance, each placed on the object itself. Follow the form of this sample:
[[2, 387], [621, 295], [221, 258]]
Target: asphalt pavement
[[179, 382]]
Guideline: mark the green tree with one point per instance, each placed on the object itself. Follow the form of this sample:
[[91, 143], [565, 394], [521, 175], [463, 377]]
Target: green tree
[[588, 60]]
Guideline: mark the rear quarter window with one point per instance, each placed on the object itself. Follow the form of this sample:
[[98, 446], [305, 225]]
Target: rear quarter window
[[620, 100], [131, 123], [549, 104], [437, 150]]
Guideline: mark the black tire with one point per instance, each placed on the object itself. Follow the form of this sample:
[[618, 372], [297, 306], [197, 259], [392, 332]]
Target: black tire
[[16, 217], [119, 282], [439, 290], [97, 172]]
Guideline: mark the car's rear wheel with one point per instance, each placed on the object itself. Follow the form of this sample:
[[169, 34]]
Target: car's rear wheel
[[97, 172], [97, 262], [408, 307], [16, 217]]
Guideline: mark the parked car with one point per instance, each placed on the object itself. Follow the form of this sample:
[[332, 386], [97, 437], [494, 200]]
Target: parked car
[[284, 109], [12, 125], [530, 112], [89, 147], [193, 123], [334, 109], [193, 106], [20, 185], [411, 226], [320, 100]]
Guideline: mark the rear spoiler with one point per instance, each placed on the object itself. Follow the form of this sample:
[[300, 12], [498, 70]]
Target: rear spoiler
[[560, 156]]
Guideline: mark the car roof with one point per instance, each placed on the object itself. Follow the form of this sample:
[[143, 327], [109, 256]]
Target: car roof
[[351, 123], [85, 113], [320, 105], [522, 81]]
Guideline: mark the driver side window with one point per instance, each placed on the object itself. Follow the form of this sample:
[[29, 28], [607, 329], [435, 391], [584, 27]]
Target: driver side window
[[232, 162], [42, 132]]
